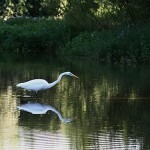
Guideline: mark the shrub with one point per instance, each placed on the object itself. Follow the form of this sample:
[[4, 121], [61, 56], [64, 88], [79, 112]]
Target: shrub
[[124, 44], [30, 34]]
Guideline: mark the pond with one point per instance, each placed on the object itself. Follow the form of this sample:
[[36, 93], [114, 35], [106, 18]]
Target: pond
[[108, 107]]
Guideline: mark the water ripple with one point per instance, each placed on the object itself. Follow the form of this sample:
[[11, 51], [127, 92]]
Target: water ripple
[[105, 141], [43, 140]]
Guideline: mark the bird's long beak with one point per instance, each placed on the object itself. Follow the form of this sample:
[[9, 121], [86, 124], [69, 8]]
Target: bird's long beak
[[75, 76]]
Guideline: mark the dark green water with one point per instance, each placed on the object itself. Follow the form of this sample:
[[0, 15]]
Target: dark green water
[[109, 106]]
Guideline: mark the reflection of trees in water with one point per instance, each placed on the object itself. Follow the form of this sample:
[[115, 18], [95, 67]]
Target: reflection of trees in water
[[95, 108], [101, 81], [132, 117], [103, 101]]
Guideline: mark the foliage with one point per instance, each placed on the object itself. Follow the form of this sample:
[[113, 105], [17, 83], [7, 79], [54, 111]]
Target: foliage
[[130, 44], [134, 10], [79, 15], [32, 34], [87, 26], [34, 8], [91, 15], [123, 44], [82, 14]]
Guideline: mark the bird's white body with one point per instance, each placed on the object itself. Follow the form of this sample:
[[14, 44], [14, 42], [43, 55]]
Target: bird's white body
[[34, 85], [41, 84]]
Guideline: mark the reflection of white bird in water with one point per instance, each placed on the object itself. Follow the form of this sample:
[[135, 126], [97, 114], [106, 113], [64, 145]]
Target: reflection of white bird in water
[[38, 108], [41, 84]]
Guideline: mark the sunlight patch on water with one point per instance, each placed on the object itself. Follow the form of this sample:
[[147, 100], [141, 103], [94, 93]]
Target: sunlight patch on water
[[34, 139], [43, 140]]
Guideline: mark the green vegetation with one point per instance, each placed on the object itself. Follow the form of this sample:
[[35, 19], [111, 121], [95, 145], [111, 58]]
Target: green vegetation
[[117, 45], [112, 31], [31, 35]]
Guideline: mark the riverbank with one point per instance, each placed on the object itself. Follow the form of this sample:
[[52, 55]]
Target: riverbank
[[121, 44]]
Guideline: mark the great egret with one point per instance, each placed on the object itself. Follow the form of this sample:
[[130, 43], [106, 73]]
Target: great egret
[[39, 108], [41, 84]]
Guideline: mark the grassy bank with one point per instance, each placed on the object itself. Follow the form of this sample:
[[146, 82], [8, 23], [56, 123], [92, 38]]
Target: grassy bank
[[120, 44]]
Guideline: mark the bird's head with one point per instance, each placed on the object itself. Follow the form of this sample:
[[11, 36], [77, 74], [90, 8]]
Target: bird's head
[[71, 74]]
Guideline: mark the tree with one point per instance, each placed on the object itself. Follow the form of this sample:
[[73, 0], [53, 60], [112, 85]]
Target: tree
[[33, 8]]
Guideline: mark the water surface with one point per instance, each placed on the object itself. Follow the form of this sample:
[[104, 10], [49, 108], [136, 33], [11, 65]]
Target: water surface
[[109, 107]]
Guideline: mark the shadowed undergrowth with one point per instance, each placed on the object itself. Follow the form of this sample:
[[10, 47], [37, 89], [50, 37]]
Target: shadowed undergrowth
[[120, 44]]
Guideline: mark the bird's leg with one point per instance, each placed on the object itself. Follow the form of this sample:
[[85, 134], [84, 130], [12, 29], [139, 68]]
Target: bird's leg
[[31, 93], [36, 94]]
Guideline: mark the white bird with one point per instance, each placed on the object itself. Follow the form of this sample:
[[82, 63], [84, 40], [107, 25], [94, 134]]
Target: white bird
[[41, 84]]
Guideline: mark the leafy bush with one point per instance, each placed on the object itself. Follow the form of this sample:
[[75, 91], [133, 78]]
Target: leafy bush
[[124, 44], [32, 34]]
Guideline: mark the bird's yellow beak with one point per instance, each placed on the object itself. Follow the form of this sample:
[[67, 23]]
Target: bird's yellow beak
[[75, 76]]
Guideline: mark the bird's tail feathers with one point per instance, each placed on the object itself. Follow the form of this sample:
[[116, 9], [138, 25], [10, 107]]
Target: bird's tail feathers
[[19, 85]]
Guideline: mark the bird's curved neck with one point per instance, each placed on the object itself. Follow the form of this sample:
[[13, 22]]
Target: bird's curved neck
[[58, 80]]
